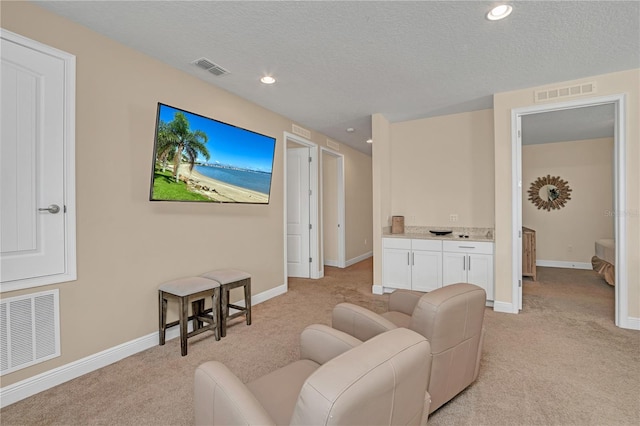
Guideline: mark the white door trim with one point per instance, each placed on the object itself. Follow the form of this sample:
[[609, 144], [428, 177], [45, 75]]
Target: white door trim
[[69, 62], [622, 318], [341, 204], [313, 203]]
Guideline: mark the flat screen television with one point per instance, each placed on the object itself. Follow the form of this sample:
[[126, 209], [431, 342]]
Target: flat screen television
[[196, 158]]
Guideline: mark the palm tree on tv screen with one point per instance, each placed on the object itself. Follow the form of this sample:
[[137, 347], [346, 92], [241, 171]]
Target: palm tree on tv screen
[[176, 140]]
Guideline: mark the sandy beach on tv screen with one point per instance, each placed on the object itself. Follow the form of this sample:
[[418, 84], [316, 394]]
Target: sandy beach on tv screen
[[219, 191]]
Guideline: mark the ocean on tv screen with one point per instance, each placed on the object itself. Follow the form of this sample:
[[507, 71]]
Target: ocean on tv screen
[[248, 179]]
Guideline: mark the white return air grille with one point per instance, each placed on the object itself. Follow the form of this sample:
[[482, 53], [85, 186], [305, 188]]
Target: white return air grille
[[565, 92], [333, 145], [300, 131], [29, 330]]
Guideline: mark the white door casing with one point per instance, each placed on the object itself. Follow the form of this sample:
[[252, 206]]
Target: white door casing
[[622, 318], [518, 208], [37, 204], [298, 232]]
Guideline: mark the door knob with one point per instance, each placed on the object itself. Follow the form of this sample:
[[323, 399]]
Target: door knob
[[53, 209]]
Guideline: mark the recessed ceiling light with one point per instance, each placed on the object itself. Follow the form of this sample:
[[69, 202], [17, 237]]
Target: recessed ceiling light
[[369, 140], [267, 79], [351, 130], [499, 12]]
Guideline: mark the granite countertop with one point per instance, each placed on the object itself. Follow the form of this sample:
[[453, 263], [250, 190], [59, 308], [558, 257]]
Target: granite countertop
[[422, 232]]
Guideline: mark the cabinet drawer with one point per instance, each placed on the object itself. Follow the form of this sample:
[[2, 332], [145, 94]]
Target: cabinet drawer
[[397, 243], [468, 247], [432, 245]]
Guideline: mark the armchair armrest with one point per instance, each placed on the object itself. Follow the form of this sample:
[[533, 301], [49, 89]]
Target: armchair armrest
[[221, 398], [359, 322], [321, 343], [404, 301]]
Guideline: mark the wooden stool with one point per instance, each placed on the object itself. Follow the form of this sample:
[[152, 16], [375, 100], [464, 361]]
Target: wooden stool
[[229, 279], [195, 288]]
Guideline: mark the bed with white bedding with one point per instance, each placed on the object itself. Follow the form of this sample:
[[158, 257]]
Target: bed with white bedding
[[605, 259]]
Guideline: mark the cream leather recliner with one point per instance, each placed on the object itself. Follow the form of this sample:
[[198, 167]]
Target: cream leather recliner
[[338, 381], [450, 318]]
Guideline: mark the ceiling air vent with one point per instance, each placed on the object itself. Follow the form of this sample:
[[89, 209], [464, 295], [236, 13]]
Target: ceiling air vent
[[206, 64], [565, 92], [300, 131]]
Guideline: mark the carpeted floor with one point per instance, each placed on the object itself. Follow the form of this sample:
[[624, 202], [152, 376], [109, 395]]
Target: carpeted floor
[[561, 361]]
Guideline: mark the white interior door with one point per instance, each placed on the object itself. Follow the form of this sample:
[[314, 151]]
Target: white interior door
[[34, 118], [298, 221], [333, 221]]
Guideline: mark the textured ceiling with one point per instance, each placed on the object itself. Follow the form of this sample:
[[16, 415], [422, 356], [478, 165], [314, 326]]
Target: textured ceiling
[[339, 62], [569, 125]]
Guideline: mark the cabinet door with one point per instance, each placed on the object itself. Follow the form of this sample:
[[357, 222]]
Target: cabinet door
[[396, 268], [426, 272], [454, 268], [480, 272]]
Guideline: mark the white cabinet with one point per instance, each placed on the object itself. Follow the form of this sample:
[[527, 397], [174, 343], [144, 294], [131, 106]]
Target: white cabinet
[[426, 265], [412, 264], [470, 262], [396, 265]]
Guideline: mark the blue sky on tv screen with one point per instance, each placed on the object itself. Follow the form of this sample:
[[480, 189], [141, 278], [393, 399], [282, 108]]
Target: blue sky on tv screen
[[228, 145]]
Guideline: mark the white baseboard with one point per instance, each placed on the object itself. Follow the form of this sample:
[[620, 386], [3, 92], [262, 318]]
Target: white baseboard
[[378, 289], [563, 264], [631, 323], [504, 307], [359, 258], [269, 294], [333, 263], [41, 382]]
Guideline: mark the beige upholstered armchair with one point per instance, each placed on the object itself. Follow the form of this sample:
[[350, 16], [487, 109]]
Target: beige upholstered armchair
[[450, 318], [337, 381]]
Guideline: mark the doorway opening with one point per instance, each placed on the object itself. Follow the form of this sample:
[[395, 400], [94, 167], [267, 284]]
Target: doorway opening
[[619, 196], [333, 210], [301, 207]]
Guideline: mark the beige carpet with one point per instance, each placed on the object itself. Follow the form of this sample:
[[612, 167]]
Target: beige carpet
[[561, 361]]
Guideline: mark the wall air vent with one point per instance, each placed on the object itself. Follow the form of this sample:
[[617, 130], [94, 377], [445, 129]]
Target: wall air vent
[[300, 131], [29, 330], [206, 64], [564, 92], [333, 145]]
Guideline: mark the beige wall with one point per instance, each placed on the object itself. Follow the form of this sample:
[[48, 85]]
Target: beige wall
[[441, 166], [568, 234], [626, 82], [358, 206], [127, 245], [429, 168], [381, 177], [329, 208]]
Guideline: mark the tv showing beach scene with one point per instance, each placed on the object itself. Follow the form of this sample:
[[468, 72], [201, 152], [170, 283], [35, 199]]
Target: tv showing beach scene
[[200, 159]]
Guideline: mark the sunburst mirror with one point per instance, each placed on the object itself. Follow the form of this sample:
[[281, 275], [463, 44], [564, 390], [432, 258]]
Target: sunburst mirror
[[549, 192]]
